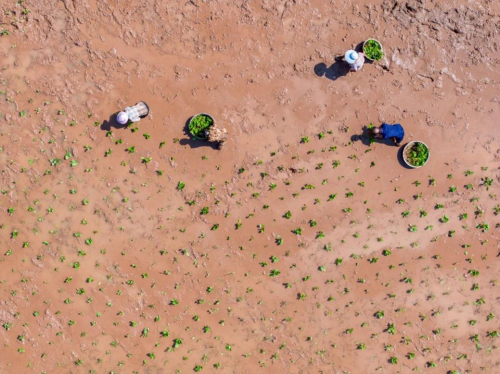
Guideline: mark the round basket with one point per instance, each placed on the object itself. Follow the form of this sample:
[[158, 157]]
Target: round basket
[[407, 147], [199, 136], [381, 47]]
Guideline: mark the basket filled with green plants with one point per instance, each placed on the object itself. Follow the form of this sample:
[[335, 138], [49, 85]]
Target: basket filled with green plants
[[373, 50], [416, 154], [199, 125]]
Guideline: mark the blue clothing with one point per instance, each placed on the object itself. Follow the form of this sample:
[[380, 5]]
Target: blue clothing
[[393, 131]]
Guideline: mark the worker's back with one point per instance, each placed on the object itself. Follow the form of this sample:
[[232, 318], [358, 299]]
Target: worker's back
[[393, 131]]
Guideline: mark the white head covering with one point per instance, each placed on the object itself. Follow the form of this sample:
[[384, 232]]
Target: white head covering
[[351, 56], [122, 118]]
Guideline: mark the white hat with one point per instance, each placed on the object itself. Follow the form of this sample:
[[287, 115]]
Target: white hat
[[122, 118], [351, 56]]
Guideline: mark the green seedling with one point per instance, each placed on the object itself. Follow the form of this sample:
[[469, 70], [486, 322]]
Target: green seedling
[[177, 343]]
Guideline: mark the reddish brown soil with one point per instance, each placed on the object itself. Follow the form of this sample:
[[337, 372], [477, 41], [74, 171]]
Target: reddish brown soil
[[95, 253]]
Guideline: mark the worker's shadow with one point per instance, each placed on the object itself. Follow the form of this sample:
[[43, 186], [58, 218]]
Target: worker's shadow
[[112, 122], [365, 138], [339, 69], [401, 159], [195, 143]]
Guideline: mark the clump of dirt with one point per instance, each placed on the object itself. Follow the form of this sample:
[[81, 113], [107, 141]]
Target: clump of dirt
[[460, 28]]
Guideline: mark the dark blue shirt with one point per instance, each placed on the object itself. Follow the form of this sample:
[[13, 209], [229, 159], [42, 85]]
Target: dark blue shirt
[[393, 131]]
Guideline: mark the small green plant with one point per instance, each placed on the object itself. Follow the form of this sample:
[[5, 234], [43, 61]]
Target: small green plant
[[483, 226], [487, 182], [391, 329], [199, 124], [177, 342]]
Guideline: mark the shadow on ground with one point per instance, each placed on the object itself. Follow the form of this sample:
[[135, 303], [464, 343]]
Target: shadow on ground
[[400, 158], [364, 137], [112, 122], [339, 69]]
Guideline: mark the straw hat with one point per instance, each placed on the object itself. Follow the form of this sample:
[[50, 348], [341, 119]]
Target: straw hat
[[351, 56]]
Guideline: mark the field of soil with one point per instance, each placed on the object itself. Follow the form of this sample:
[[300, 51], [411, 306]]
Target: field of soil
[[298, 248]]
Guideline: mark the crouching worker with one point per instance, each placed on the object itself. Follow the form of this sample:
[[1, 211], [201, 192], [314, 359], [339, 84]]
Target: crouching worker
[[355, 59], [133, 113], [394, 132], [217, 134]]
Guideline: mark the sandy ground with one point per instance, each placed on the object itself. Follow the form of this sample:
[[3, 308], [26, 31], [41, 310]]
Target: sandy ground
[[108, 266]]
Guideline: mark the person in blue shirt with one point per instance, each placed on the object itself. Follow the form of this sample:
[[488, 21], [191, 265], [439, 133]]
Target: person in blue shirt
[[386, 131]]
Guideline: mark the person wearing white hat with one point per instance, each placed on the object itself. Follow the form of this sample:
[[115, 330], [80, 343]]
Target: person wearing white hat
[[133, 113], [355, 59]]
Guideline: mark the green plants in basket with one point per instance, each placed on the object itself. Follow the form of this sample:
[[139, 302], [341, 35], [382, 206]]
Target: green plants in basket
[[373, 50], [417, 154], [199, 124]]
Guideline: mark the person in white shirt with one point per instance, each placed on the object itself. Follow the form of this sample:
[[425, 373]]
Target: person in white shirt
[[133, 113], [355, 59]]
